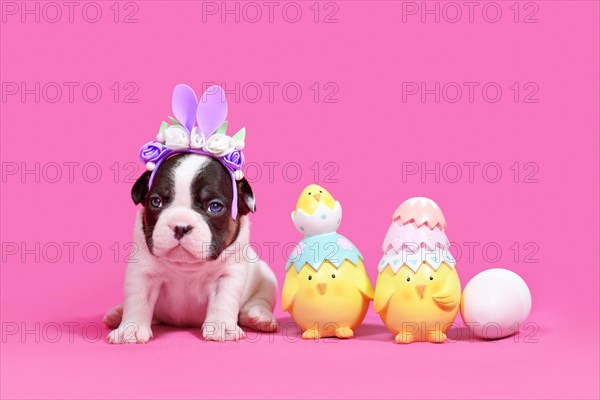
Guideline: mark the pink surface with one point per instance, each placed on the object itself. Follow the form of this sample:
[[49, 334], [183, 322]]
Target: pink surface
[[373, 142]]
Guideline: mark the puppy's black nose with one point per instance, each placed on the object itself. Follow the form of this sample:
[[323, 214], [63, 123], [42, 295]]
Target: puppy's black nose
[[181, 230]]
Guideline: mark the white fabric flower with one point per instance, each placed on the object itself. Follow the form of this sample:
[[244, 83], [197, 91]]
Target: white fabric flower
[[197, 139], [177, 137], [219, 145]]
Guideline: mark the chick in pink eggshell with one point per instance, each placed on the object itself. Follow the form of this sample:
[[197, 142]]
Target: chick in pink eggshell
[[417, 293]]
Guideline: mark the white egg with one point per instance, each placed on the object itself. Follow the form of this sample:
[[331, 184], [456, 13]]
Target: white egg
[[495, 303]]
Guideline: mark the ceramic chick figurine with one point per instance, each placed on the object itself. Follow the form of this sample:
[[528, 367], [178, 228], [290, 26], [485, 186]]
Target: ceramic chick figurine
[[417, 293], [327, 290]]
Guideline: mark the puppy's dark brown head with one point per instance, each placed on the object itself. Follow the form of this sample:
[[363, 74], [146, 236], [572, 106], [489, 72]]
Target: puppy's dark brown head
[[187, 211]]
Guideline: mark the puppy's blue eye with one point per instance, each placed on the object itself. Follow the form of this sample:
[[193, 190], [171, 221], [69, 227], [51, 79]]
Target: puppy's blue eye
[[215, 207], [156, 202]]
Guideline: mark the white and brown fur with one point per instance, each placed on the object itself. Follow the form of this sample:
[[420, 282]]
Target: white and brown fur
[[194, 267]]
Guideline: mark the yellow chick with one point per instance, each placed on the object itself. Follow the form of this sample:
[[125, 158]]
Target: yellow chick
[[418, 306], [417, 293], [328, 301], [326, 290], [316, 211], [311, 197]]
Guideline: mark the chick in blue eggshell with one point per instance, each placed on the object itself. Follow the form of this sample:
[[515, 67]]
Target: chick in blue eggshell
[[327, 290]]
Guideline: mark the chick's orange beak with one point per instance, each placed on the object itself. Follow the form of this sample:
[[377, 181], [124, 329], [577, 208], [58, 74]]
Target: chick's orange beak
[[420, 290], [317, 196], [321, 287]]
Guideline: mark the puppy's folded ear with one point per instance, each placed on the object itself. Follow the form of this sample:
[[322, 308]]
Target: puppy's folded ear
[[140, 188], [246, 203]]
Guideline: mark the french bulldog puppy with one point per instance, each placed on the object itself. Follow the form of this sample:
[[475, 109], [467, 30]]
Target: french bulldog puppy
[[194, 266]]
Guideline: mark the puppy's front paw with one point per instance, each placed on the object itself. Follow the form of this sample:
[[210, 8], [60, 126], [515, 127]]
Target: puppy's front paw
[[130, 332], [220, 332]]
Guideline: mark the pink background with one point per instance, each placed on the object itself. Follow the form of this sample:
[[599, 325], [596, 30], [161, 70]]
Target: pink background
[[368, 133]]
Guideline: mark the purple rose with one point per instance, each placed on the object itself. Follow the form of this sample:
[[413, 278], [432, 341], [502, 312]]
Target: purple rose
[[152, 152], [234, 160]]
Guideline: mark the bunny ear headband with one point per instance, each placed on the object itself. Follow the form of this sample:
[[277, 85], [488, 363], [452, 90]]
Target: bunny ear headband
[[199, 127]]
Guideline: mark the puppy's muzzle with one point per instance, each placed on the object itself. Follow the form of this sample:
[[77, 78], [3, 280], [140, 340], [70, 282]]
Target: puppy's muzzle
[[180, 231]]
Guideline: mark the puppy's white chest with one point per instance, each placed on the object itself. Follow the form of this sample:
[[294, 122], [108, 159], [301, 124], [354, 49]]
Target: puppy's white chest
[[183, 298]]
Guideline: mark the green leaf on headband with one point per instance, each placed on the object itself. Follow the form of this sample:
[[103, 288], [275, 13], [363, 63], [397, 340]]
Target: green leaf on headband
[[240, 135], [173, 121], [163, 127], [222, 129]]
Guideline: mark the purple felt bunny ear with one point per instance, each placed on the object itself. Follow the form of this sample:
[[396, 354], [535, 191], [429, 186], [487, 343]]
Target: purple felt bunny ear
[[212, 110], [184, 105]]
